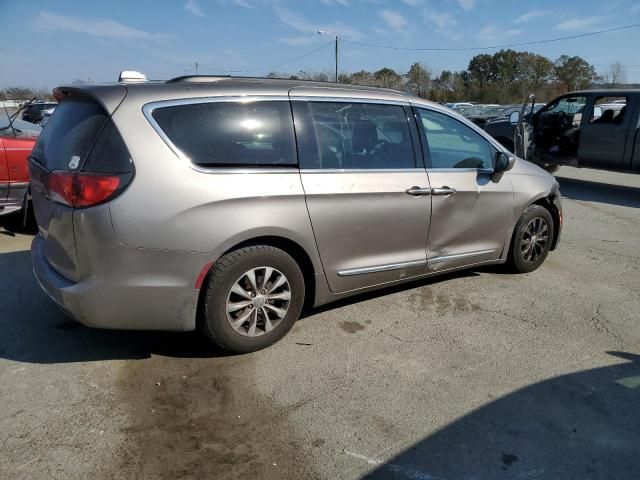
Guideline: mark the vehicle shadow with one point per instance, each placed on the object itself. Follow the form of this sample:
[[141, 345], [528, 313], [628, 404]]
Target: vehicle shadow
[[589, 191], [15, 223], [576, 426], [34, 330]]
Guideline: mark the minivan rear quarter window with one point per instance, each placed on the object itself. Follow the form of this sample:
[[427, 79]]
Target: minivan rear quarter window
[[216, 134]]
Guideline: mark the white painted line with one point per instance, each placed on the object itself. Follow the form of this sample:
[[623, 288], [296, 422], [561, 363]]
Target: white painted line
[[399, 469]]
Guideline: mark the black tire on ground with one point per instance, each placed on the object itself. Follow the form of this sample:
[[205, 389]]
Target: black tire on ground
[[227, 270], [534, 220]]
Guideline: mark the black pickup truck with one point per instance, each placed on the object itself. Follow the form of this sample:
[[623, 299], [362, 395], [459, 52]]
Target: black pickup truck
[[590, 128]]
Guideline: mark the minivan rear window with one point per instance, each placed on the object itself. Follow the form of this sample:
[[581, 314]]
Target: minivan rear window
[[214, 134], [65, 142]]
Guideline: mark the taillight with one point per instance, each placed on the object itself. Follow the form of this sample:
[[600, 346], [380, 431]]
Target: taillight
[[81, 190]]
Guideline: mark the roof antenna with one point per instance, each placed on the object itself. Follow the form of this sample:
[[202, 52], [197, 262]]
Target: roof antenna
[[131, 76]]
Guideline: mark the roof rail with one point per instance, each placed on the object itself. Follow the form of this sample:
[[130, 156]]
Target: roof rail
[[198, 78]]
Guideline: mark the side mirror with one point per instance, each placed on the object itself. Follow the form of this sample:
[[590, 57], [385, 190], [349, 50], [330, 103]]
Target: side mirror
[[504, 162], [514, 118]]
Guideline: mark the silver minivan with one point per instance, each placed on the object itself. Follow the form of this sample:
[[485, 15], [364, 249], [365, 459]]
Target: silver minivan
[[227, 204]]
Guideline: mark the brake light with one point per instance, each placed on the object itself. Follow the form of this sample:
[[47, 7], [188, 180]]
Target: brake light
[[80, 189]]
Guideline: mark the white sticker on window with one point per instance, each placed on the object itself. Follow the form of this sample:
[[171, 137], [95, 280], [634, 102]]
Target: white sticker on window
[[75, 161]]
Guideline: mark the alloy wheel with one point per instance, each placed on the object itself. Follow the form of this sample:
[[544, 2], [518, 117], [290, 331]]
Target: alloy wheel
[[535, 239], [258, 301]]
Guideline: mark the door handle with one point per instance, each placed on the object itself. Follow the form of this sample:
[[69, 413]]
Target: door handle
[[443, 191], [418, 191]]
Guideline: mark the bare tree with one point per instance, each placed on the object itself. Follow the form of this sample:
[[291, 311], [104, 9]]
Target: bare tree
[[617, 74]]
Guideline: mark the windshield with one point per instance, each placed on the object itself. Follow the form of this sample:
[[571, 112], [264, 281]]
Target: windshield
[[493, 111]]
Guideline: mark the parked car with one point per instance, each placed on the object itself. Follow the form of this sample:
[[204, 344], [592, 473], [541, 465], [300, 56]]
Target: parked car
[[33, 112], [46, 115], [16, 142], [225, 204], [590, 128], [503, 130], [459, 105], [477, 109]]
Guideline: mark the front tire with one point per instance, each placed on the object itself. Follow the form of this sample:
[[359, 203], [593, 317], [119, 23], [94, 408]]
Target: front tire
[[253, 297], [531, 240]]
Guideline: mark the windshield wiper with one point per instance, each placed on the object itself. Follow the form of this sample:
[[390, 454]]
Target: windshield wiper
[[13, 117]]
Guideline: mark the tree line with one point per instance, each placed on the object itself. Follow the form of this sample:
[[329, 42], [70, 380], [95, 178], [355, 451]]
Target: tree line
[[506, 76]]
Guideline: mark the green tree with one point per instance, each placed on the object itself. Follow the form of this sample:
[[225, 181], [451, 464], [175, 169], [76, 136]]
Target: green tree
[[387, 78], [482, 71], [418, 80], [574, 72]]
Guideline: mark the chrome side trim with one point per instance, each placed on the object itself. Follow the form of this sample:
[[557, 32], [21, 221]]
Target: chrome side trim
[[18, 149], [458, 256], [360, 170], [18, 184], [381, 268], [486, 171], [328, 99]]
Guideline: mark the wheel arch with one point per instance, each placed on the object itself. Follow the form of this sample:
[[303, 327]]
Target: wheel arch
[[293, 248], [544, 200], [547, 203]]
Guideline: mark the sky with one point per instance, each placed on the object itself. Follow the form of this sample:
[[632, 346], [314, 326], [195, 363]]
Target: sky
[[51, 42]]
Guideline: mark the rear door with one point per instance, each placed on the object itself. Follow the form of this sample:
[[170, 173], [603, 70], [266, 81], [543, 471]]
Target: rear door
[[557, 128], [471, 208], [366, 189], [605, 128]]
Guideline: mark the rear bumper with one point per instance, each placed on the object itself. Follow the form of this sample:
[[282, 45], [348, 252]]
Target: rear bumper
[[123, 298]]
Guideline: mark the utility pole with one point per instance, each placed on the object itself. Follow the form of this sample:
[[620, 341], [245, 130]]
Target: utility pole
[[336, 58], [334, 35], [196, 68]]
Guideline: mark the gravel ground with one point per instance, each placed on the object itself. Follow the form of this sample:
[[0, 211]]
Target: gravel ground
[[478, 375]]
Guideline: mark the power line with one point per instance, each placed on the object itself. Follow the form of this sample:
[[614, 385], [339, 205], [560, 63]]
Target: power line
[[506, 45], [267, 67]]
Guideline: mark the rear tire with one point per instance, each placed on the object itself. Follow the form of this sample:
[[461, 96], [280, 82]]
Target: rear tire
[[253, 297], [531, 240]]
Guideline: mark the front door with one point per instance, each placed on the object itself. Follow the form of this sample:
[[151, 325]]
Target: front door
[[557, 130], [367, 191], [471, 208]]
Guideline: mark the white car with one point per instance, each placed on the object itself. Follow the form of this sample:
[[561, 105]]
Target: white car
[[459, 105]]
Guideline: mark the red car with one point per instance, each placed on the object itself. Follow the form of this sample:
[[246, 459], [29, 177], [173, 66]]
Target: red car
[[16, 142]]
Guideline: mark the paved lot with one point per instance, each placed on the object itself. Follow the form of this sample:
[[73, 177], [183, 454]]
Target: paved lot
[[479, 375]]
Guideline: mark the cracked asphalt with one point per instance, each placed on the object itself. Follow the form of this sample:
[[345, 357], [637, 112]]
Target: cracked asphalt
[[477, 375]]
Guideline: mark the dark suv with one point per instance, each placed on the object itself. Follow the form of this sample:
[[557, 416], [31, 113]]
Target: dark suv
[[33, 113]]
